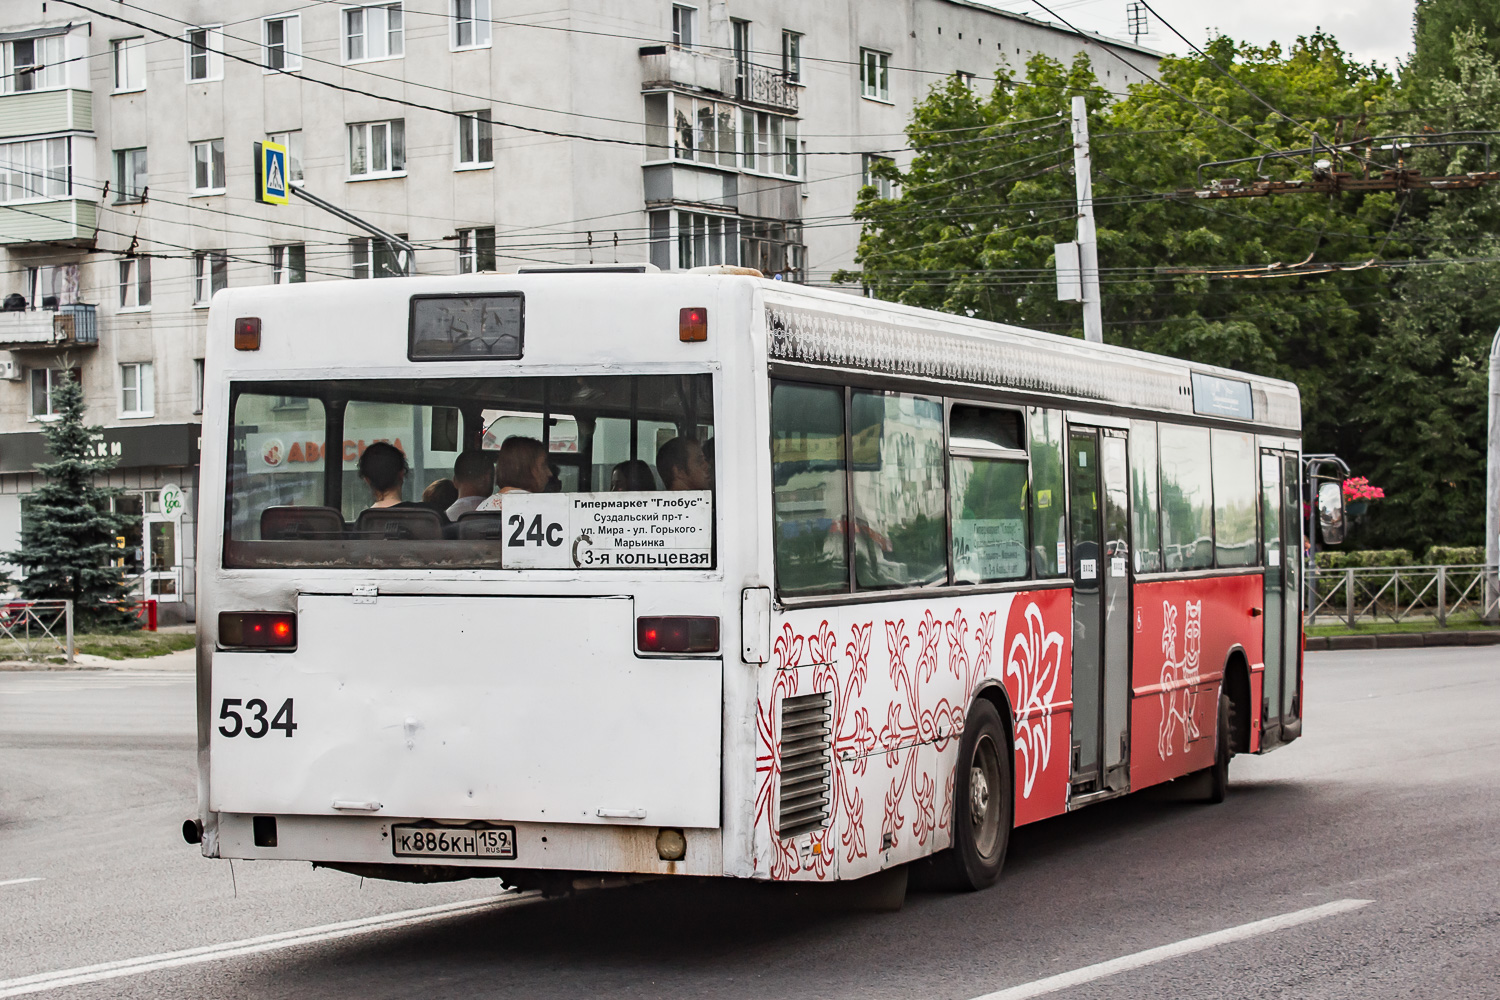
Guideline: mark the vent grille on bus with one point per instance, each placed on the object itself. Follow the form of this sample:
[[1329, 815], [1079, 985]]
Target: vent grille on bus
[[805, 765]]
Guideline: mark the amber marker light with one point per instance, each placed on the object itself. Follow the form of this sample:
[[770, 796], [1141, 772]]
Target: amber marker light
[[247, 333], [692, 325]]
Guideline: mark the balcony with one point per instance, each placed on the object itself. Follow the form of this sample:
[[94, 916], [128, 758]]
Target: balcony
[[65, 221], [74, 325], [39, 112], [669, 66], [768, 87]]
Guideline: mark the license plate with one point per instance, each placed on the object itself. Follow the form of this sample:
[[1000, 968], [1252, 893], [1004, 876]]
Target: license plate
[[454, 842]]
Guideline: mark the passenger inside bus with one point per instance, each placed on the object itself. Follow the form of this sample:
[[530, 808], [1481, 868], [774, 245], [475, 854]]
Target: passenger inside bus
[[521, 467], [631, 476], [472, 474], [683, 465], [440, 494], [384, 469]]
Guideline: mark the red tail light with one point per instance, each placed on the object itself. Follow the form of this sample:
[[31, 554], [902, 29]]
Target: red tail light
[[247, 333], [677, 635], [258, 629], [692, 325]]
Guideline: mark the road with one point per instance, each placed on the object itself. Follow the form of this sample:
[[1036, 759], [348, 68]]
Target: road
[[1389, 798]]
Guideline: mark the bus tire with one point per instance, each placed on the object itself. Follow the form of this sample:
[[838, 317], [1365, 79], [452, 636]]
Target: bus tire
[[1218, 773], [983, 804]]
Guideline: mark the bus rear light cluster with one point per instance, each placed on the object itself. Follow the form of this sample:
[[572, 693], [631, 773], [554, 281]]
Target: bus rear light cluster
[[258, 629], [680, 634], [692, 325]]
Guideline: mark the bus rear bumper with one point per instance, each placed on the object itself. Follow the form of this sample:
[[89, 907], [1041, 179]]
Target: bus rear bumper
[[347, 841]]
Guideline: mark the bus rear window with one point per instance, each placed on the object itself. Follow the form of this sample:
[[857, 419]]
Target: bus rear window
[[608, 472]]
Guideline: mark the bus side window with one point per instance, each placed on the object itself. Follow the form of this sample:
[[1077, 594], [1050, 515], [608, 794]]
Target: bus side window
[[1145, 507], [808, 476], [987, 494], [1235, 543], [1049, 510], [896, 457], [1186, 498]]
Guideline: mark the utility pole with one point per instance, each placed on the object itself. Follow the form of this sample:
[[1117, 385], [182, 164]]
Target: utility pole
[[1088, 245], [1492, 493]]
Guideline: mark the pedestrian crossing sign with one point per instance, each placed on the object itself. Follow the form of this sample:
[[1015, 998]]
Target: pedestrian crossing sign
[[270, 173]]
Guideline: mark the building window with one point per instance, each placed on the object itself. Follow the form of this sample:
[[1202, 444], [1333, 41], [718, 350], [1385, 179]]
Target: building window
[[32, 64], [197, 385], [372, 258], [43, 381], [208, 167], [692, 128], [130, 63], [476, 146], [210, 273], [870, 178], [49, 286], [130, 175], [205, 54], [875, 74], [739, 40], [135, 283], [288, 264], [471, 24], [137, 390], [791, 56], [281, 38], [476, 250], [373, 33], [293, 143], [37, 168], [706, 239], [683, 22], [769, 143], [377, 149]]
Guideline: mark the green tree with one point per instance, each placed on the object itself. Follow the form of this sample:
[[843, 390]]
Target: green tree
[[1420, 394], [1433, 56], [1390, 362], [68, 538]]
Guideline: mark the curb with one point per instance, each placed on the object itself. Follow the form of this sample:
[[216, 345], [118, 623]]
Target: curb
[[1403, 640]]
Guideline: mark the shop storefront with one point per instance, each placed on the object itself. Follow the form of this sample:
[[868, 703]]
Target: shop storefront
[[157, 472]]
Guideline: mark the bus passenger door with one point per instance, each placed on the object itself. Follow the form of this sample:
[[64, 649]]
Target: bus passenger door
[[1114, 569], [1291, 614], [1281, 534], [1087, 531], [1098, 472]]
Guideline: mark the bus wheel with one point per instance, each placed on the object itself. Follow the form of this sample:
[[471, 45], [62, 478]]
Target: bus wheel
[[983, 804], [1218, 774]]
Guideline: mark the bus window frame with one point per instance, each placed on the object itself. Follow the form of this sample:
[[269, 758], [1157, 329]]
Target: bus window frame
[[850, 380], [335, 405]]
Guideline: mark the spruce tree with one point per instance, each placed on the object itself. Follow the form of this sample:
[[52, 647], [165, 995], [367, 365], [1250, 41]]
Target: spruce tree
[[68, 539]]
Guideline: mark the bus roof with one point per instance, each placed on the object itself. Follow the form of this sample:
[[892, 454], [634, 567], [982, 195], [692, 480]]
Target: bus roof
[[331, 327]]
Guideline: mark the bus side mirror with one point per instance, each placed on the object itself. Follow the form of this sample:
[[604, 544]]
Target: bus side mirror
[[1331, 513]]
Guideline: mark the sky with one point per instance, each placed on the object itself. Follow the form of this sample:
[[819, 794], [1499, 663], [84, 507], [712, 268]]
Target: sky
[[1378, 30]]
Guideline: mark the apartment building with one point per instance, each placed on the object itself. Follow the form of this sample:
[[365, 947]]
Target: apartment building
[[483, 132]]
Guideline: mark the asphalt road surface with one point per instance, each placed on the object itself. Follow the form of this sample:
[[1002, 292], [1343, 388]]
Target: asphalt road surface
[[1362, 861]]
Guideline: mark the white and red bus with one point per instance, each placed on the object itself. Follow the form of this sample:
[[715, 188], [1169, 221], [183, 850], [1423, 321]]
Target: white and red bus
[[808, 586]]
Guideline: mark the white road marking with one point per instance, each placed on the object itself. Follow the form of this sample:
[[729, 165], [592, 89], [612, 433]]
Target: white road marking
[[1151, 956], [19, 881], [44, 981]]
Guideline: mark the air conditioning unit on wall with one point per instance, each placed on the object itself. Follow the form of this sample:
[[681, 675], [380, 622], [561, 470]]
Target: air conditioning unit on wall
[[11, 370]]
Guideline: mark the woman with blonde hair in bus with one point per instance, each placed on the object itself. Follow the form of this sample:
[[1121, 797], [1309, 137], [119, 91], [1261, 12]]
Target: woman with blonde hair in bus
[[521, 467]]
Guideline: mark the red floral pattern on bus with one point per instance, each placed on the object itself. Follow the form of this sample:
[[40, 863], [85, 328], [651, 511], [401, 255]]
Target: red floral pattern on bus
[[934, 663], [1035, 662]]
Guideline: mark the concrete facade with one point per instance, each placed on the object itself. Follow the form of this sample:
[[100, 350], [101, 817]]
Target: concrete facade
[[713, 156]]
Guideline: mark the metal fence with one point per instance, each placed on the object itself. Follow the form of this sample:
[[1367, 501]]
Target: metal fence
[[1369, 594], [36, 630]]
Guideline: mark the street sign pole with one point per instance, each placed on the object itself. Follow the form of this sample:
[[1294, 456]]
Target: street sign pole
[[1492, 493]]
